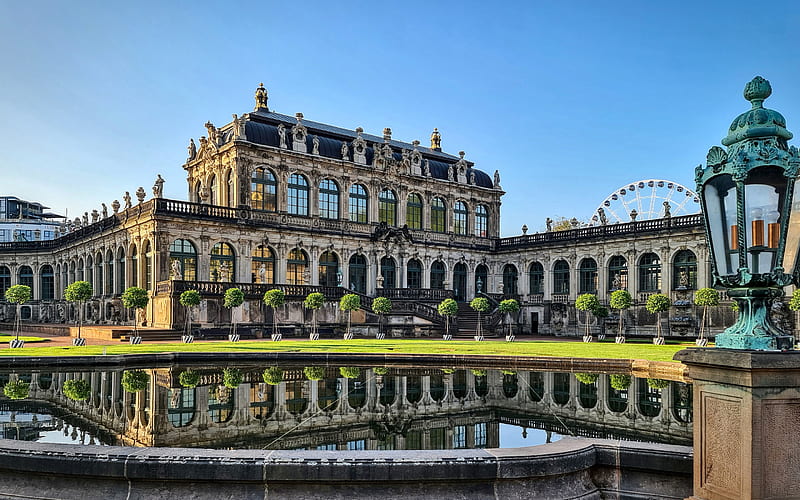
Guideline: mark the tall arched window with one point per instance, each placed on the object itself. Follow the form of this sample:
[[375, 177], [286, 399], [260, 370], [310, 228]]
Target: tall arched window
[[460, 281], [88, 271], [561, 277], [437, 275], [26, 276], [182, 260], [109, 273], [120, 281], [328, 199], [389, 272], [587, 276], [387, 207], [99, 281], [414, 274], [358, 273], [296, 265], [222, 266], [297, 195], [438, 213], [47, 283], [617, 273], [5, 281], [213, 189], [358, 203], [536, 278], [460, 218], [263, 189], [481, 279], [481, 221], [262, 267], [414, 211], [649, 273], [684, 270], [327, 269], [134, 267], [148, 266], [510, 277]]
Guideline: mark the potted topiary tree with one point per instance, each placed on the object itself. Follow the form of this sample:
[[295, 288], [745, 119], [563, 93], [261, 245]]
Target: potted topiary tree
[[314, 372], [76, 389], [79, 292], [350, 302], [314, 301], [507, 307], [620, 300], [481, 305], [18, 294], [381, 306], [16, 388], [705, 298], [350, 371], [135, 298], [232, 377], [588, 303], [189, 299], [189, 378], [658, 303], [272, 375], [619, 382], [233, 299], [448, 308], [274, 299], [135, 380], [601, 313], [794, 304]]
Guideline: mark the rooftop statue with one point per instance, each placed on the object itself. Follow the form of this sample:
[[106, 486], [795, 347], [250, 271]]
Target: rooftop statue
[[436, 140]]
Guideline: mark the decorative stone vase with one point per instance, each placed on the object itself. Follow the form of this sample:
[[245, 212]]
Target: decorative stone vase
[[17, 344], [187, 339], [276, 337], [313, 336], [234, 337], [620, 339], [136, 340], [81, 342]]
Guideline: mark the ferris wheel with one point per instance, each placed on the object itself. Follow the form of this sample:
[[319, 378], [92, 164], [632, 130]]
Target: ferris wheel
[[645, 200]]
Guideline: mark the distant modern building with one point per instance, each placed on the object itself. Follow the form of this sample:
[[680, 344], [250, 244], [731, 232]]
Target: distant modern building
[[22, 220]]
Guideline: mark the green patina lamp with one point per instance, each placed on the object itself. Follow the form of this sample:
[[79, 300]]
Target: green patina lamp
[[751, 207]]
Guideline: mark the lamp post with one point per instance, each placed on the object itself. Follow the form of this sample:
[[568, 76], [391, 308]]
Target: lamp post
[[751, 212]]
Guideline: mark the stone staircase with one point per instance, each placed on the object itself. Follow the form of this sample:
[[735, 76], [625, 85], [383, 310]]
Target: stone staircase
[[467, 322]]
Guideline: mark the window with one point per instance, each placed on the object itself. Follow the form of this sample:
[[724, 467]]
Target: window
[[296, 266], [481, 221], [327, 269], [510, 277], [684, 270], [180, 411], [222, 267], [414, 211], [414, 277], [387, 207], [389, 272], [120, 271], [617, 273], [263, 189], [297, 195], [561, 277], [109, 274], [5, 281], [148, 266], [358, 204], [587, 276], [481, 279], [437, 275], [26, 276], [182, 260], [134, 267], [460, 218], [536, 278], [47, 280], [438, 213], [4, 234], [328, 199], [98, 264], [358, 273], [262, 268], [649, 273], [213, 190], [460, 281], [459, 436], [480, 435]]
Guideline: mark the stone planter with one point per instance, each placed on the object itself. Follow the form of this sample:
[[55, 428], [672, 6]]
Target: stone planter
[[478, 338], [348, 336], [380, 336], [701, 342], [658, 341], [510, 338], [601, 336]]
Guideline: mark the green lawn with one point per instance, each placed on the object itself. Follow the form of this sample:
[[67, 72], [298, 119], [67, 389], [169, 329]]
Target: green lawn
[[5, 339], [632, 350]]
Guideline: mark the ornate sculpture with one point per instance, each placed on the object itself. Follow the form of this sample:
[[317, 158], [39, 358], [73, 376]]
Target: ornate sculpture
[[140, 194], [667, 210], [104, 210], [192, 150], [115, 206], [436, 140], [549, 223], [158, 187], [127, 199], [315, 145], [683, 279], [345, 150], [261, 98], [359, 148], [616, 283], [634, 214], [282, 135], [496, 179], [238, 128], [299, 134], [472, 177], [426, 169], [85, 219], [213, 133], [176, 273], [451, 173], [602, 214], [205, 195], [95, 216]]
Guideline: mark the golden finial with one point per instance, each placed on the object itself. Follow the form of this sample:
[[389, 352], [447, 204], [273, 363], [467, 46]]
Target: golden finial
[[436, 140], [261, 98]]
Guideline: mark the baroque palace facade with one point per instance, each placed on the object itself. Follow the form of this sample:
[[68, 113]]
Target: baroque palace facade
[[275, 200]]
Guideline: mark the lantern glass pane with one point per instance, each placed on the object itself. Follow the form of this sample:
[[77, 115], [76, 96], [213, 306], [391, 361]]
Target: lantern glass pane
[[793, 233], [719, 200], [764, 191]]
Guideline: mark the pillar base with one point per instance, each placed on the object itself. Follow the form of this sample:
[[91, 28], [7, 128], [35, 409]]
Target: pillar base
[[754, 329]]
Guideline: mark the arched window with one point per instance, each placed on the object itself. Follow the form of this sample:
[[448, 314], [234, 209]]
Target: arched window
[[197, 188], [26, 276], [536, 278], [437, 275], [587, 276], [649, 273], [98, 265], [5, 281], [120, 282], [263, 189], [389, 272], [684, 270], [134, 267], [481, 221], [617, 273], [213, 190], [460, 218], [561, 277], [414, 211], [358, 273], [262, 265], [328, 199], [297, 195], [222, 266], [148, 266], [510, 277], [481, 279], [387, 207], [109, 273], [358, 203], [47, 283], [438, 212], [296, 265], [460, 281], [231, 189], [414, 275], [88, 271], [182, 260], [327, 269], [70, 274]]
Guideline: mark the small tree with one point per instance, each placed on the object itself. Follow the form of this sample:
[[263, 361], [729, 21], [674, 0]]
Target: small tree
[[587, 302], [272, 375], [135, 380], [381, 306], [135, 298], [274, 298], [233, 298], [620, 382], [601, 313], [448, 308], [481, 305], [189, 299], [658, 303], [76, 389], [507, 307], [79, 292], [620, 300], [18, 294], [314, 372], [16, 389], [657, 383], [232, 377], [350, 371], [587, 378], [705, 297], [314, 301], [380, 370], [189, 378], [350, 302]]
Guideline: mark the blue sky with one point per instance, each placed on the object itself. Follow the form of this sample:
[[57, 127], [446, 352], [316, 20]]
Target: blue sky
[[569, 100]]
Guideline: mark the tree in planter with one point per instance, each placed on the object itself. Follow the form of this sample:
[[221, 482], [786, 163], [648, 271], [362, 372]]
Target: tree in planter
[[705, 298], [380, 370], [18, 294], [135, 380], [481, 305], [314, 301], [189, 378], [189, 299], [587, 302], [381, 306], [350, 302], [658, 303], [274, 298], [79, 292], [314, 372], [272, 375], [448, 308], [16, 389], [620, 382], [350, 371], [232, 377], [657, 383], [794, 303], [587, 378], [76, 389], [620, 300], [135, 298], [507, 307], [233, 298]]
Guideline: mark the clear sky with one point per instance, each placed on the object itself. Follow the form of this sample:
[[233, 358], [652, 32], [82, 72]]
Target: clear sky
[[569, 100]]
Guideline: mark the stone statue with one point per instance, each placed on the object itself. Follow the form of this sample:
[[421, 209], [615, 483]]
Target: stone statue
[[115, 206], [524, 229], [616, 282], [77, 223], [104, 210], [176, 273], [158, 187], [261, 98], [262, 274], [683, 279], [574, 222], [426, 169], [602, 214], [634, 214], [224, 272], [282, 136], [213, 133], [85, 218], [451, 173], [549, 223], [436, 140], [472, 178], [497, 179], [192, 150], [345, 150], [140, 194], [667, 210], [205, 195], [127, 199], [238, 127], [315, 145]]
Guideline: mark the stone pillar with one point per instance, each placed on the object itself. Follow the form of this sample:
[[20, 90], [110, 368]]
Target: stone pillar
[[746, 409]]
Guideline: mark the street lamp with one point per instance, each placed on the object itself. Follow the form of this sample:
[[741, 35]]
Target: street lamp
[[752, 223], [339, 277]]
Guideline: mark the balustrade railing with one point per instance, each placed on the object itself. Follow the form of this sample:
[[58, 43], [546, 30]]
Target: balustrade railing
[[429, 294], [561, 298], [536, 298], [250, 290]]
